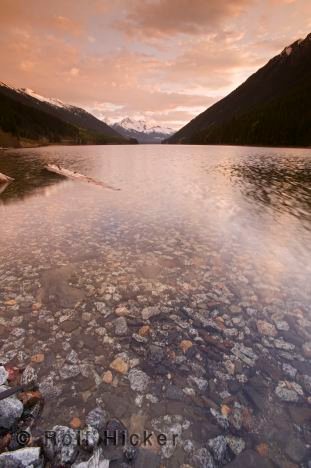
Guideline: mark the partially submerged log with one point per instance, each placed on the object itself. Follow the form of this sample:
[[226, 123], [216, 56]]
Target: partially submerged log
[[75, 175], [4, 186], [4, 179], [20, 388]]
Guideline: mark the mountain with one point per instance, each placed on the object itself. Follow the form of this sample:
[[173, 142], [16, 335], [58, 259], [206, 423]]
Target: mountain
[[142, 131], [28, 118], [272, 107]]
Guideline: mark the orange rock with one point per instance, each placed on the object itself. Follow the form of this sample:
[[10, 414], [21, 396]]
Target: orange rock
[[119, 365], [220, 322], [144, 330], [266, 328], [107, 377], [11, 302], [185, 345], [225, 410], [75, 423], [36, 306], [30, 398], [37, 358], [122, 311], [262, 449]]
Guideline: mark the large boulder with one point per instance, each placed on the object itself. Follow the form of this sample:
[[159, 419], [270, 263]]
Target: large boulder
[[22, 458], [11, 410]]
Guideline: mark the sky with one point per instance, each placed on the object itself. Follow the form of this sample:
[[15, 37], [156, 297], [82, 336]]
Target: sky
[[160, 60]]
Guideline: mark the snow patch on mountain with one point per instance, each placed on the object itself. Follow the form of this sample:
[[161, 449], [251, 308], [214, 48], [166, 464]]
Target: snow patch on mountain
[[143, 126], [51, 101]]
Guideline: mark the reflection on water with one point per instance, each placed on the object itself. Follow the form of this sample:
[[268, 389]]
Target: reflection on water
[[282, 184], [31, 177], [196, 273]]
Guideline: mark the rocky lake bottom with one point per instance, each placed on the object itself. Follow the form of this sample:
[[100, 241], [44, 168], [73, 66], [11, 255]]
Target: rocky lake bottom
[[178, 306]]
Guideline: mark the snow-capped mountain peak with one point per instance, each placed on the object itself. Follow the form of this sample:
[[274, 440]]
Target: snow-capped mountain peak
[[144, 132], [143, 126], [51, 101], [129, 124]]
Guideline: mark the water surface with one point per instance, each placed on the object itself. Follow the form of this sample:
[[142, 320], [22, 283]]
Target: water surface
[[223, 232]]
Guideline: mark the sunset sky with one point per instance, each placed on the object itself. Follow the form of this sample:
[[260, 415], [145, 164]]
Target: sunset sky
[[163, 60]]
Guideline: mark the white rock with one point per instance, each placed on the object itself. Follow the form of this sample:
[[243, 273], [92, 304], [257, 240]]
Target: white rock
[[22, 458], [11, 410], [139, 381], [3, 375]]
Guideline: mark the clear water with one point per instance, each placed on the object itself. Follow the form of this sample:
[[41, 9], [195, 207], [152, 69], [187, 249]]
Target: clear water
[[222, 231]]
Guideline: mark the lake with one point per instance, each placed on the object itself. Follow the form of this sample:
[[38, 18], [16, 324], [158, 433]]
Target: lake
[[180, 303]]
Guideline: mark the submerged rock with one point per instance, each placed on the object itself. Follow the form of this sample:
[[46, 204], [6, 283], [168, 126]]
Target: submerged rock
[[221, 420], [29, 376], [266, 328], [185, 345], [281, 344], [149, 312], [289, 371], [286, 394], [3, 375], [68, 371], [119, 365], [121, 326], [23, 458], [97, 418], [107, 377], [89, 437], [102, 309], [202, 458], [236, 444], [72, 357], [49, 389], [202, 384], [122, 311], [66, 445], [139, 381], [95, 461], [218, 447], [156, 354], [11, 410], [244, 353]]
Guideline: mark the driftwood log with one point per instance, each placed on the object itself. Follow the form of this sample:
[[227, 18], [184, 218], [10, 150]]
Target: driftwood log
[[75, 175], [4, 179], [20, 388]]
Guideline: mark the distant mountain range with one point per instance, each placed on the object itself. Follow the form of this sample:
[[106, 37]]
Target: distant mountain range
[[142, 131], [272, 107], [28, 118]]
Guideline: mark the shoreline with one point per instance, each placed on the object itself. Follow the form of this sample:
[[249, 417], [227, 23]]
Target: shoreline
[[238, 146], [150, 144], [60, 144]]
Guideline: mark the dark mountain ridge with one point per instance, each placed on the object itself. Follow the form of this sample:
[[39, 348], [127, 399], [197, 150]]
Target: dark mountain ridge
[[272, 107], [31, 117]]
